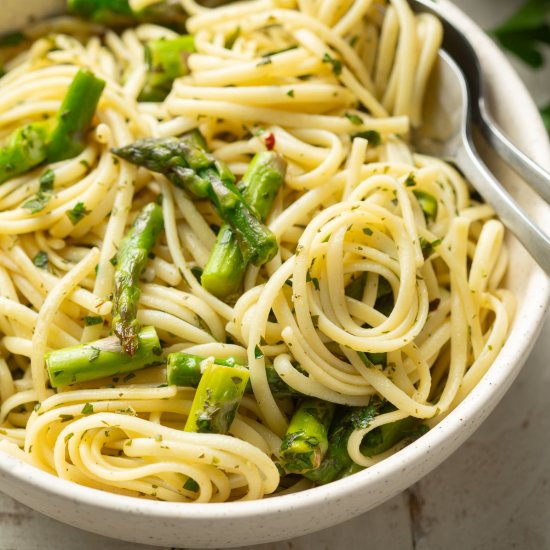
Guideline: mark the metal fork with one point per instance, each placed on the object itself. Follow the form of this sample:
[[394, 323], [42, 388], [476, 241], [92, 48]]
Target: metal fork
[[446, 132], [459, 48]]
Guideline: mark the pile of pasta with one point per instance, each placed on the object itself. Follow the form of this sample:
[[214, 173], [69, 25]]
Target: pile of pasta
[[333, 87]]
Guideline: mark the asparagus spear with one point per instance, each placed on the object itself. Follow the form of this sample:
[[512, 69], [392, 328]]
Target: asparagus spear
[[101, 358], [428, 203], [347, 419], [119, 12], [166, 60], [306, 442], [353, 468], [384, 437], [25, 149], [187, 165], [225, 268], [184, 369], [217, 398], [67, 139], [58, 138], [131, 259]]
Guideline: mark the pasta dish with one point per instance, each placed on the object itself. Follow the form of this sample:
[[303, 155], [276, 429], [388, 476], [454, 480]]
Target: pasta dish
[[225, 272]]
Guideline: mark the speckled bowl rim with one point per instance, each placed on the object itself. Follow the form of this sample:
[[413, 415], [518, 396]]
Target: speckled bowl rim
[[447, 435]]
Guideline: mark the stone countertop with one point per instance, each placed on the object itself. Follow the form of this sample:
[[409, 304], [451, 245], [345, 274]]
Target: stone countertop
[[492, 494]]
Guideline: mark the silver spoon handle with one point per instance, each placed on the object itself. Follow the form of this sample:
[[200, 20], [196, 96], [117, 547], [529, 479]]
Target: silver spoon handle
[[535, 241], [533, 174]]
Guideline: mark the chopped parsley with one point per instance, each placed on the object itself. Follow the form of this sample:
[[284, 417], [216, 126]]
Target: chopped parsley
[[372, 136], [88, 408], [39, 201], [336, 64], [427, 247], [41, 260], [91, 320], [77, 212], [354, 119], [411, 180]]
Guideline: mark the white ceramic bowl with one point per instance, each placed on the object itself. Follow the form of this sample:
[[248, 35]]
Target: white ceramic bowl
[[236, 524]]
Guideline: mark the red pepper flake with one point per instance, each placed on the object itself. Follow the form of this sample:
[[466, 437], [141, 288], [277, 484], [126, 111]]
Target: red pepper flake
[[269, 141]]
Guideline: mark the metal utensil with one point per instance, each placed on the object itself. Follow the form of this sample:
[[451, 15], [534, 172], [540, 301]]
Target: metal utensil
[[446, 132], [462, 52]]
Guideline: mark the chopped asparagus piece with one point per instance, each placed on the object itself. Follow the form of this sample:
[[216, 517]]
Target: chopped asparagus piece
[[184, 369], [25, 149], [384, 437], [119, 12], [259, 186], [187, 165], [217, 398], [166, 60], [68, 138], [306, 440], [428, 203], [347, 419], [132, 256], [55, 139], [101, 358]]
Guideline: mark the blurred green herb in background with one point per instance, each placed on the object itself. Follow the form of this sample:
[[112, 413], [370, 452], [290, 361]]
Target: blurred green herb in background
[[525, 34]]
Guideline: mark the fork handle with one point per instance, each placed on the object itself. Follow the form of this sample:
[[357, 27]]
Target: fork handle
[[535, 241], [533, 174]]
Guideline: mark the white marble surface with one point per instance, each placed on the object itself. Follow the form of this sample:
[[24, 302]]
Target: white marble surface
[[492, 494]]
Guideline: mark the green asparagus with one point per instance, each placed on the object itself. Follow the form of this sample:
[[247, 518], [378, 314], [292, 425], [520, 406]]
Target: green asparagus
[[428, 203], [187, 165], [131, 259], [346, 420], [166, 61], [68, 137], [119, 12], [184, 369], [384, 437], [337, 462], [217, 398], [225, 268], [25, 149], [101, 358], [306, 440], [58, 138]]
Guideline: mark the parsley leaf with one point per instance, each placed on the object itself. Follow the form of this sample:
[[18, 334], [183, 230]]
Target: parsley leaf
[[336, 64], [91, 320], [45, 193], [46, 180], [526, 31], [41, 260], [88, 409], [372, 136], [77, 212], [354, 119]]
